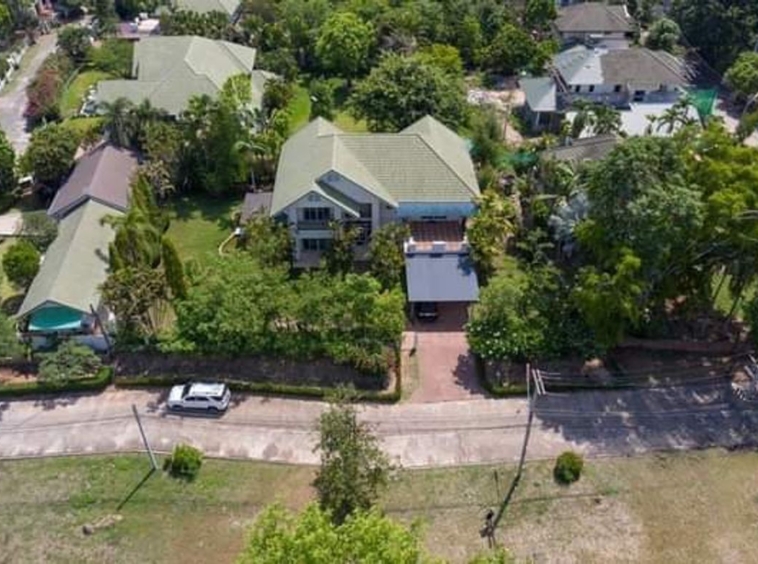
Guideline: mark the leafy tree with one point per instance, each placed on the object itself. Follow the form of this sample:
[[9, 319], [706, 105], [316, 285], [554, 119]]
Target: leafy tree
[[105, 16], [445, 57], [173, 268], [21, 263], [489, 230], [114, 56], [401, 90], [538, 14], [610, 302], [10, 347], [354, 469], [511, 51], [742, 76], [184, 463], [213, 25], [339, 257], [279, 61], [277, 94], [719, 29], [664, 35], [74, 41], [50, 155], [7, 165], [322, 99], [386, 256], [278, 536], [39, 229], [268, 241], [344, 44], [70, 361]]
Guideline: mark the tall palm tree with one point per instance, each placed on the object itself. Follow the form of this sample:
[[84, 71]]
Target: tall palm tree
[[676, 116], [607, 119], [119, 123]]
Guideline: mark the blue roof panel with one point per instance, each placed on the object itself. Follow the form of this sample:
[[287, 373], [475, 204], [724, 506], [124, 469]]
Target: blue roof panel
[[441, 278]]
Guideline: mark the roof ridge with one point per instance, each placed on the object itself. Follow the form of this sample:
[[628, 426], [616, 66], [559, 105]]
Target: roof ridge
[[442, 159]]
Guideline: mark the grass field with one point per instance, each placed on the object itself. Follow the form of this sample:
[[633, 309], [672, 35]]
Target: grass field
[[667, 508], [199, 224], [299, 108], [73, 95], [347, 123]]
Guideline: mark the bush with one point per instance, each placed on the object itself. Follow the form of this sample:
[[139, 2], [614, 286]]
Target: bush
[[184, 462], [114, 56], [568, 467], [21, 263], [70, 361], [39, 229]]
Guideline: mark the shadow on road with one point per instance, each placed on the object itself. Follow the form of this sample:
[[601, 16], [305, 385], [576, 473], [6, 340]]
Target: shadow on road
[[626, 422]]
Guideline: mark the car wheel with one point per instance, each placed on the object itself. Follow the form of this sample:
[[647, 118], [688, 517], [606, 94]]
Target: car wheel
[[213, 409], [175, 407]]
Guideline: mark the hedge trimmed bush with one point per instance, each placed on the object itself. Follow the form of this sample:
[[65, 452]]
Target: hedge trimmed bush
[[184, 462], [97, 383], [568, 467]]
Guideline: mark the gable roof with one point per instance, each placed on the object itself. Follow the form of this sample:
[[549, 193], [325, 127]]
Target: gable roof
[[540, 93], [104, 174], [425, 162], [75, 264], [589, 17], [581, 65], [590, 148], [228, 7], [169, 71]]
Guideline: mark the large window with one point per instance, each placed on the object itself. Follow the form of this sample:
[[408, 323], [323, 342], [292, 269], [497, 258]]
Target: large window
[[317, 214], [364, 211], [315, 244]]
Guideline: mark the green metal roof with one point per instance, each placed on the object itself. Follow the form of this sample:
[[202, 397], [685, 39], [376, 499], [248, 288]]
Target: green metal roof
[[76, 263], [169, 71], [55, 318], [228, 7], [425, 162]]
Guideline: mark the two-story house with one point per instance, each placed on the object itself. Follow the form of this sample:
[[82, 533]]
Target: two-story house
[[639, 82], [422, 176]]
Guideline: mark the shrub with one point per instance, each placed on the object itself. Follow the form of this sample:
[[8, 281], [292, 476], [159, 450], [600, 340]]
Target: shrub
[[184, 462], [113, 56], [39, 229], [21, 263], [70, 361], [568, 467]]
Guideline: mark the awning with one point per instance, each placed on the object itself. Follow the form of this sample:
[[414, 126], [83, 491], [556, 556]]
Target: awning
[[55, 319], [441, 278]]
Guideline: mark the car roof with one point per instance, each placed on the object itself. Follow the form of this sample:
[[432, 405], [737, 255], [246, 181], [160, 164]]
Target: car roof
[[202, 389]]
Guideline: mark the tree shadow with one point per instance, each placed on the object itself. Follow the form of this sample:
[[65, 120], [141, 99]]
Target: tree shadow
[[208, 208], [11, 305], [634, 421], [466, 377]]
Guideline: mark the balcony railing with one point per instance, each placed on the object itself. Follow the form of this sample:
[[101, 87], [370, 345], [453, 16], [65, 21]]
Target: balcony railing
[[313, 224]]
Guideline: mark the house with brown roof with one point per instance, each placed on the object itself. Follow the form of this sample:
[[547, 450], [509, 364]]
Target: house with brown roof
[[594, 22]]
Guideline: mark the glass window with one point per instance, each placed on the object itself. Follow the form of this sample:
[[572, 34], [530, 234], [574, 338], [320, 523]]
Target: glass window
[[592, 87], [577, 88], [317, 214], [364, 210], [315, 244], [617, 88]]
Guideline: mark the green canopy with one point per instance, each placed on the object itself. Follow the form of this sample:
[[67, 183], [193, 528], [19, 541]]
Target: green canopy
[[55, 318]]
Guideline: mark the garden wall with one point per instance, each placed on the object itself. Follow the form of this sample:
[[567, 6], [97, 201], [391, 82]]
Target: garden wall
[[319, 372]]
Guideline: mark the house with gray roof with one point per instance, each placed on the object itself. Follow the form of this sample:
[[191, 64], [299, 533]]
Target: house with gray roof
[[594, 21], [104, 174], [64, 298], [229, 7], [577, 151], [168, 71], [422, 176], [634, 80]]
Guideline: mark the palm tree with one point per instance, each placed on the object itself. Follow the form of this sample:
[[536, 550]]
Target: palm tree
[[676, 116], [118, 122], [607, 119]]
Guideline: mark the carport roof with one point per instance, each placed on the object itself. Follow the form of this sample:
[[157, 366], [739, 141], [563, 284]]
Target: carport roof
[[441, 278]]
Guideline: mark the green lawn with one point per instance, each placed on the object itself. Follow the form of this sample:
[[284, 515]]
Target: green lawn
[[73, 95], [199, 224], [346, 122], [299, 108], [664, 508]]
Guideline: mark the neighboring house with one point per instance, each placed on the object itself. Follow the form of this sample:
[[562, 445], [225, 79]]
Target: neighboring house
[[138, 29], [593, 22], [422, 176], [581, 150], [229, 7], [168, 71], [104, 174], [638, 81], [64, 298]]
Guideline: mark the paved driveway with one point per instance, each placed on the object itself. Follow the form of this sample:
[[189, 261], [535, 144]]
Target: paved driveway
[[13, 100], [417, 435]]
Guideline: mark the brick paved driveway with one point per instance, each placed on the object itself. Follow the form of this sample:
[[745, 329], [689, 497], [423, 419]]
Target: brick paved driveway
[[445, 366]]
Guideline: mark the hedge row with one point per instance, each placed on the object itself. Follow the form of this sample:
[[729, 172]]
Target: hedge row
[[263, 388], [97, 383]]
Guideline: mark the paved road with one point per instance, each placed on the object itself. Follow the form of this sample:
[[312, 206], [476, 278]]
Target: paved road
[[416, 435], [13, 100]]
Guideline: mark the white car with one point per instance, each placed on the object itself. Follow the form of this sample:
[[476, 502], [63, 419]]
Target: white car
[[203, 397]]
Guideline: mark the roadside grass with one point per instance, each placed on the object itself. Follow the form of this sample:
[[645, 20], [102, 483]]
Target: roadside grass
[[199, 224], [71, 99], [682, 507]]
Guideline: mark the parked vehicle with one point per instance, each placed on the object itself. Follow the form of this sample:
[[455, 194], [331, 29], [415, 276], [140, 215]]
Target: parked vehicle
[[427, 311], [199, 396]]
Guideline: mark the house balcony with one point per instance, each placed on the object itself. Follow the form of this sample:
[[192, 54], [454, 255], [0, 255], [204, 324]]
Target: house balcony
[[436, 237], [313, 225]]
